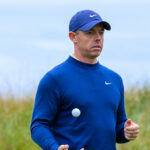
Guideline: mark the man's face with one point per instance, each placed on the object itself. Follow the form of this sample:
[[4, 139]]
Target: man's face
[[90, 43]]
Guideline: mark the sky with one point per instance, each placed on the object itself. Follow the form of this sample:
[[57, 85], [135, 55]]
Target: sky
[[34, 39]]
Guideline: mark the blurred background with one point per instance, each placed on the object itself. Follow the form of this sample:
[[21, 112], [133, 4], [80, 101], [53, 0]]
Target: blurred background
[[34, 39]]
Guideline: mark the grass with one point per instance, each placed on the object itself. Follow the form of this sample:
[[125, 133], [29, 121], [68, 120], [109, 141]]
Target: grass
[[138, 109], [15, 116]]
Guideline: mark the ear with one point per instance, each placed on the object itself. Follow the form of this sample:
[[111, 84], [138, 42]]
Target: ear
[[72, 36]]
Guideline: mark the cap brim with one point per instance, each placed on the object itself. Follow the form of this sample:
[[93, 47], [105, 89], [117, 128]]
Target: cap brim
[[90, 25]]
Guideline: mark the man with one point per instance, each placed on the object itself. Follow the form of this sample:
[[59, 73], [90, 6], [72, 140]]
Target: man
[[80, 103]]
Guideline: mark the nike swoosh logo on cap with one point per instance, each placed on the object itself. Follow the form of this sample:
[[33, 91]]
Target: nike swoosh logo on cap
[[92, 16]]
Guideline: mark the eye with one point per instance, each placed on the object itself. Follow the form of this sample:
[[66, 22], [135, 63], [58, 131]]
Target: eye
[[101, 33], [90, 32]]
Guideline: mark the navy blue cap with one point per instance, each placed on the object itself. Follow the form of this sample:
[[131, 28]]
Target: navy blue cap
[[85, 20]]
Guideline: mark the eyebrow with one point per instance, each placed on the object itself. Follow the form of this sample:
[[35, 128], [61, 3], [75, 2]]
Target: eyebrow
[[94, 30]]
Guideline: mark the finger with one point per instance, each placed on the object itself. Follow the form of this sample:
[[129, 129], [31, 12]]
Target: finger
[[134, 125], [82, 149], [132, 131], [129, 122], [130, 136], [60, 147], [132, 128], [63, 147]]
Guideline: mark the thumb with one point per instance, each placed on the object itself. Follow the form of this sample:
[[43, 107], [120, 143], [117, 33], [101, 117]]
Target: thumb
[[129, 122]]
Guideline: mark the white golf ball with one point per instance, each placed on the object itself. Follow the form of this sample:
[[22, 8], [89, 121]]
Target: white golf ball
[[76, 112]]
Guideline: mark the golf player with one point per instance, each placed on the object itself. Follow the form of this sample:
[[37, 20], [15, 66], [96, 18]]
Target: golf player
[[79, 104]]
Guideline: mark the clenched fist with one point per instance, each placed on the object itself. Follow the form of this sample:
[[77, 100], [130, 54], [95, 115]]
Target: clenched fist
[[131, 130]]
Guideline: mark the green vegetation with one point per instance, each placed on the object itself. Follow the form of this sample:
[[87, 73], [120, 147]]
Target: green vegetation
[[15, 116], [138, 109]]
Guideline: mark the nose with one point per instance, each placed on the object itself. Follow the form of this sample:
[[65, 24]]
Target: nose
[[98, 37]]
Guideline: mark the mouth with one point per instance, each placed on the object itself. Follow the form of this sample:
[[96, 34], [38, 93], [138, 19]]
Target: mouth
[[97, 47]]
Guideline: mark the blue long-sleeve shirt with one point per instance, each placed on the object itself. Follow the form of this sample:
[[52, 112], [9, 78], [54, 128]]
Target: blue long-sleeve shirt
[[92, 88]]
